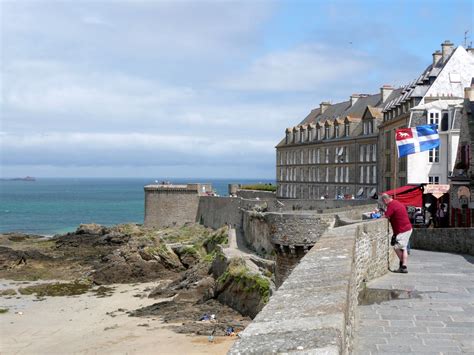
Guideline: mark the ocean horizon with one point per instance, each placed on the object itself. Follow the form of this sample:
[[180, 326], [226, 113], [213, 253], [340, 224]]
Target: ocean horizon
[[50, 206]]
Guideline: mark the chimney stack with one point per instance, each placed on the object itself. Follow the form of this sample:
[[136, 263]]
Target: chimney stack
[[385, 92], [324, 106], [437, 55], [354, 98], [446, 48]]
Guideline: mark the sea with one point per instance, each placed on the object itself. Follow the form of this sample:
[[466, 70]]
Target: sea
[[50, 206]]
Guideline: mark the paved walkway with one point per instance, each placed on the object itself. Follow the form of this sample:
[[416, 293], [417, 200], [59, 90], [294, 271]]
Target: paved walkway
[[435, 316]]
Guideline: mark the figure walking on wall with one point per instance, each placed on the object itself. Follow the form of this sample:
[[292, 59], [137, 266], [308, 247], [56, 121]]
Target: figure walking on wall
[[402, 229]]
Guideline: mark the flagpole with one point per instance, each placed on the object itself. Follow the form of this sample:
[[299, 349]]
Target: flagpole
[[395, 170]]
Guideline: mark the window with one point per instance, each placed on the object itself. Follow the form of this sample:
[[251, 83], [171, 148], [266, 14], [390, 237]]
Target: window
[[318, 133], [388, 140], [367, 175], [361, 174], [374, 174], [361, 152], [347, 174], [326, 132], [433, 179], [327, 155], [388, 183], [445, 122], [301, 157], [318, 156], [318, 176], [346, 154], [388, 163], [327, 174], [368, 126], [433, 118], [336, 177], [403, 181], [336, 131], [374, 152], [346, 129], [433, 156], [368, 152]]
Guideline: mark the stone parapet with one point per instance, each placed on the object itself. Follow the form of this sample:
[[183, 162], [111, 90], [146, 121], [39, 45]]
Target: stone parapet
[[313, 311], [454, 240]]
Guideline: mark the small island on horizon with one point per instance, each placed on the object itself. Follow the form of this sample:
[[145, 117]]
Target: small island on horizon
[[26, 178]]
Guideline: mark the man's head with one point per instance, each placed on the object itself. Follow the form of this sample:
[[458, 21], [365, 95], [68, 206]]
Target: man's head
[[386, 199]]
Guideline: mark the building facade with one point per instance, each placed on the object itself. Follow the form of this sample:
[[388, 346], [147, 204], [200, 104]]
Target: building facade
[[435, 97], [332, 153], [462, 178], [348, 149]]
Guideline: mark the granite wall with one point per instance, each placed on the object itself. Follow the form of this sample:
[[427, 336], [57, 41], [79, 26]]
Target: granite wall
[[215, 212], [454, 240], [313, 311], [170, 208]]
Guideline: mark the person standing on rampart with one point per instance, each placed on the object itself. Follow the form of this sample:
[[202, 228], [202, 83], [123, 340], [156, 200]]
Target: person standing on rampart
[[402, 229]]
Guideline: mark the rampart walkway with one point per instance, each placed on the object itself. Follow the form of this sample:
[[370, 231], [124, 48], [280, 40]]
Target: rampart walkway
[[430, 310]]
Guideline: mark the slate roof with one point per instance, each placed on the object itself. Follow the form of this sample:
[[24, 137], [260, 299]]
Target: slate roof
[[418, 87]]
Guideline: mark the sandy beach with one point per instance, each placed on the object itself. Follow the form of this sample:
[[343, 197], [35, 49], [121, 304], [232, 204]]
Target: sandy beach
[[88, 324]]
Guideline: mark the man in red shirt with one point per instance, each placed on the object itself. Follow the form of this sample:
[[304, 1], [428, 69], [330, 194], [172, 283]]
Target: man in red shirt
[[398, 217]]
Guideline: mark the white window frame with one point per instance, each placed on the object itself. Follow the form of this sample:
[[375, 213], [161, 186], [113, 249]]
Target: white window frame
[[433, 179], [433, 155]]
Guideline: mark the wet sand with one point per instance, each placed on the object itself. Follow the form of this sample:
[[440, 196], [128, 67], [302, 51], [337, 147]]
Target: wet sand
[[87, 324]]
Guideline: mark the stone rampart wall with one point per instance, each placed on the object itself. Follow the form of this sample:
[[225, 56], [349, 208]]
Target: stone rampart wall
[[291, 204], [454, 240], [215, 212], [253, 194], [170, 208], [313, 310]]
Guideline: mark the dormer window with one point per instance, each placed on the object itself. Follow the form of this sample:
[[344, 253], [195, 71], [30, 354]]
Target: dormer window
[[318, 133], [346, 129], [336, 131], [369, 126], [326, 132]]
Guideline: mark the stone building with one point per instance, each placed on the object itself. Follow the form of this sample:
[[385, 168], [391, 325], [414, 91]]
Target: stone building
[[333, 151], [462, 179], [435, 97], [169, 205]]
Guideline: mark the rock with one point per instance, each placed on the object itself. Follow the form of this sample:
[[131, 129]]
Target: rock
[[10, 258], [92, 229]]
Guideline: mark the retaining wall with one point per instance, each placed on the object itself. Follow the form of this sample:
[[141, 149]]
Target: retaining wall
[[214, 212], [454, 240], [292, 204], [170, 208], [252, 194], [314, 309]]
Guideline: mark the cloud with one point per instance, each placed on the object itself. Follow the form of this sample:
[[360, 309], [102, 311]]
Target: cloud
[[136, 149], [303, 68]]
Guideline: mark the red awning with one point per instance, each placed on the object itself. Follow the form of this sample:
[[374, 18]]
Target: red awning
[[409, 195]]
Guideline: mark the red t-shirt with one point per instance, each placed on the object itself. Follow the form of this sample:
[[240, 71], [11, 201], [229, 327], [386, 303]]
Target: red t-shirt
[[398, 216]]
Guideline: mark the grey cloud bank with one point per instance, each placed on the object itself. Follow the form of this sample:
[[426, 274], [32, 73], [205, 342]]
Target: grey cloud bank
[[184, 88]]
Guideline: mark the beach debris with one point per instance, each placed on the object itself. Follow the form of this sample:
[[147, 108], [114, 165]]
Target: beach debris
[[115, 326], [230, 331], [205, 317], [3, 310], [19, 313]]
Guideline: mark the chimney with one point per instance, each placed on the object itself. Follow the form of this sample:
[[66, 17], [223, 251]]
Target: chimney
[[469, 91], [385, 92], [446, 48], [324, 106], [437, 57], [354, 98]]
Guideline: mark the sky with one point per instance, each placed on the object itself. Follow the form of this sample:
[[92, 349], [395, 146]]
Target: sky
[[200, 89]]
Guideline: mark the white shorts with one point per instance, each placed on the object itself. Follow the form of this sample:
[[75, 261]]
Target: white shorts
[[402, 240]]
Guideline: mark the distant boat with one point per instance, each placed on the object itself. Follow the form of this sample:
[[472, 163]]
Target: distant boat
[[27, 178]]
